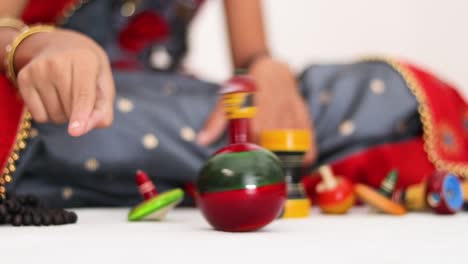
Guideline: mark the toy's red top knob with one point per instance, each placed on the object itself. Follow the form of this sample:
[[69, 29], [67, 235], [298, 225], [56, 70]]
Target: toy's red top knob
[[239, 84], [145, 185], [237, 96]]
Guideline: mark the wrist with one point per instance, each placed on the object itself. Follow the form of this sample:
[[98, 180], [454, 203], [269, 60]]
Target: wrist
[[8, 35], [12, 49], [251, 60], [10, 28], [29, 48]]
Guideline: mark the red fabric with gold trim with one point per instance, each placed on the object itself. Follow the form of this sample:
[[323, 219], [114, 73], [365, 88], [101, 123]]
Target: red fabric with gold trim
[[11, 114], [444, 123], [443, 145], [47, 11]]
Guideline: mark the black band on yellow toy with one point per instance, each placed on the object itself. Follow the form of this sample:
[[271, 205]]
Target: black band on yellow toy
[[239, 105]]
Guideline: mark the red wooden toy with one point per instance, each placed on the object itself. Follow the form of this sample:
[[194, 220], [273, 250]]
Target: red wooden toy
[[441, 192], [335, 194], [465, 194], [241, 187]]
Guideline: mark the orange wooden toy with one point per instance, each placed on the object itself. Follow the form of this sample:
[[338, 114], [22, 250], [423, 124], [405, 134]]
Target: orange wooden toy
[[381, 199]]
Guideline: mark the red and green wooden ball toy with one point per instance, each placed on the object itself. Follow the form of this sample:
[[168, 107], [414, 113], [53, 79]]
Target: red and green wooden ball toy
[[241, 187], [335, 195], [155, 206]]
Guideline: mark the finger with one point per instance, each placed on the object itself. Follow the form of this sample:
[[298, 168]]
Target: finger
[[103, 112], [214, 126], [34, 104], [41, 77], [31, 98], [310, 157], [254, 132], [62, 83], [84, 82], [51, 101]]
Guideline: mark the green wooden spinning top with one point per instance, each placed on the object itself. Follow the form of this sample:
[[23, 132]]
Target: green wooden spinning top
[[155, 206]]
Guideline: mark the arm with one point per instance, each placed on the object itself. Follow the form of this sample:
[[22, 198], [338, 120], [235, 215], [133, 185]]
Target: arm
[[62, 76], [277, 86], [8, 8], [246, 31], [12, 8]]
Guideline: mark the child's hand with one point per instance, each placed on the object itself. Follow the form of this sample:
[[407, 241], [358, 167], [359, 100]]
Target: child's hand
[[279, 105], [66, 77]]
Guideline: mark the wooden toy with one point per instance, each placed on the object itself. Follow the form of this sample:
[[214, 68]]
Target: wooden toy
[[441, 192], [381, 199], [465, 194], [290, 146], [155, 206], [335, 194], [241, 187]]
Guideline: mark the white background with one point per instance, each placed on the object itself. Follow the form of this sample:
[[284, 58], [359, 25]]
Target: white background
[[428, 32], [104, 236]]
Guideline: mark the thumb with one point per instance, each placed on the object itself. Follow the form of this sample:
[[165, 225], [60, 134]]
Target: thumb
[[214, 126], [310, 157]]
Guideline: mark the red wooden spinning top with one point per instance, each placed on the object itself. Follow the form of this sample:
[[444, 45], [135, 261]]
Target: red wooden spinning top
[[241, 187], [145, 185], [335, 194]]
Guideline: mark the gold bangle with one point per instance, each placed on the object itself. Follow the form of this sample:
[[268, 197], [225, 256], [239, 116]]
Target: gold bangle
[[11, 49], [11, 22]]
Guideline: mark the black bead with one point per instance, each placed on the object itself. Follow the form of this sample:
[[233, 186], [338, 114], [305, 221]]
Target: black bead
[[9, 204], [27, 210], [73, 217], [57, 219], [70, 217], [12, 206], [3, 210], [46, 219], [17, 220], [27, 219], [37, 220], [8, 219]]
